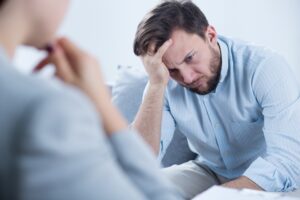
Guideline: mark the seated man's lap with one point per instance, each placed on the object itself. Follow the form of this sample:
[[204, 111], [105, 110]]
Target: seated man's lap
[[191, 178]]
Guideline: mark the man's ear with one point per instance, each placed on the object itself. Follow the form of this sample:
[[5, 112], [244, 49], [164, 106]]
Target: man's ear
[[211, 35]]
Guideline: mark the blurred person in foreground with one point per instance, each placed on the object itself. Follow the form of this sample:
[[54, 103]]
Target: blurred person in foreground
[[71, 142]]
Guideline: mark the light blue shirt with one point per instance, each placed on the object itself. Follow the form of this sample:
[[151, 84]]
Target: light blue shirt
[[250, 125]]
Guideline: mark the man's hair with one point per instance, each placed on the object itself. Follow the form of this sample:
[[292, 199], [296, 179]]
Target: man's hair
[[158, 24], [2, 2]]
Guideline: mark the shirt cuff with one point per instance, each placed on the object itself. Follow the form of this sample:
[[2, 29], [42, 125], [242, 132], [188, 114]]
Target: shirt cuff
[[268, 177], [161, 152]]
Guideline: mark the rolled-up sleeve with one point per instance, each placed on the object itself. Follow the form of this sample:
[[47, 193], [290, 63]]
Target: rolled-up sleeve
[[278, 93], [167, 130]]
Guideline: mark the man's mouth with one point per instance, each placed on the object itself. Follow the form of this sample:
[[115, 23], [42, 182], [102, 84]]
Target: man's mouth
[[197, 83]]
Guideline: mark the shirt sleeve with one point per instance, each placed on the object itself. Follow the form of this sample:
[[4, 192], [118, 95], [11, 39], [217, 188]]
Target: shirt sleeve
[[63, 153], [278, 93], [138, 161], [167, 129]]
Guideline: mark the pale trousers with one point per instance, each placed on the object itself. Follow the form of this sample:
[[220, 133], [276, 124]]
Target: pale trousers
[[192, 178]]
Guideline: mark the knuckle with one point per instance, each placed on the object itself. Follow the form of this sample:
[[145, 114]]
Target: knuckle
[[153, 62]]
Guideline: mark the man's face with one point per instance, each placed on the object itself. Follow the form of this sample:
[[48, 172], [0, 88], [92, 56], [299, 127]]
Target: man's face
[[46, 16], [193, 62]]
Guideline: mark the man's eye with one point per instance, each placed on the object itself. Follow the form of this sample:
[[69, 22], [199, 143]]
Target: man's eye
[[189, 59], [172, 70]]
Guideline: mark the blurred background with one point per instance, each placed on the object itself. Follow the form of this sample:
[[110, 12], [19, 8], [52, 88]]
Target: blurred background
[[106, 29]]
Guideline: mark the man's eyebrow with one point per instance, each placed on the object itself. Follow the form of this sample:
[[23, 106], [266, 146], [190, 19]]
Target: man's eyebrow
[[186, 56]]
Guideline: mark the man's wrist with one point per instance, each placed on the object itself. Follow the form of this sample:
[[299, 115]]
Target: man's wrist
[[158, 82], [157, 85]]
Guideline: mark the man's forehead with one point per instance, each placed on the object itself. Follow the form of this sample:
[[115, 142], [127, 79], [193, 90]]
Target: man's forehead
[[176, 53]]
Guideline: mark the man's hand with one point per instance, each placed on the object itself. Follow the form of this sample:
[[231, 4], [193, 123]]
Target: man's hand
[[149, 117], [156, 69], [242, 182], [76, 67]]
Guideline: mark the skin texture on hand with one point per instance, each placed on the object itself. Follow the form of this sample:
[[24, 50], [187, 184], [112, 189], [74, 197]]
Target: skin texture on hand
[[154, 66], [77, 68]]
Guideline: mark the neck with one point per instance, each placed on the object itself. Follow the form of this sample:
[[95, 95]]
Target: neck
[[12, 31], [220, 55], [9, 46]]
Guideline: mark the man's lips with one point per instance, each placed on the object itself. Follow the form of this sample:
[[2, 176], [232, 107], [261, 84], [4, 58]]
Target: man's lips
[[196, 83]]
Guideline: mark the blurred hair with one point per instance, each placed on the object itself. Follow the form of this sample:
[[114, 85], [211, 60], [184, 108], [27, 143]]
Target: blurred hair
[[2, 2]]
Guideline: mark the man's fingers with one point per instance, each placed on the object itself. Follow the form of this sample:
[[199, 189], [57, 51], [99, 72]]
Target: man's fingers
[[151, 48], [63, 68], [57, 57], [162, 50], [42, 64], [70, 49]]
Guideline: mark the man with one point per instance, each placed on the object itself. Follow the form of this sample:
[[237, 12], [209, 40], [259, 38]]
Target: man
[[53, 143], [237, 104]]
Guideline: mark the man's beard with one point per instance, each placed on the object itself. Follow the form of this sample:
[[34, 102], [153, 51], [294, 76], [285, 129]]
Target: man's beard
[[215, 68]]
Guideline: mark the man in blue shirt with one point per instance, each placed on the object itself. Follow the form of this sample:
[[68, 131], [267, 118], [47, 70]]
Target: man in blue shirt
[[238, 104]]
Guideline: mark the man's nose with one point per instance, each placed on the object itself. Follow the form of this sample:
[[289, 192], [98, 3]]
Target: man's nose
[[187, 76]]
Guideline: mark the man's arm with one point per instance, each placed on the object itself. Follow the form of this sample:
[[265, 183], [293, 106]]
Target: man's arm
[[149, 117], [276, 90]]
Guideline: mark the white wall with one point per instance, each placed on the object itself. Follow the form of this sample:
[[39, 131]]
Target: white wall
[[107, 28]]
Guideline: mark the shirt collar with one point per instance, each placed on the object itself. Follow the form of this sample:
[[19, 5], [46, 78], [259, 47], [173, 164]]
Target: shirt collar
[[224, 56], [224, 66]]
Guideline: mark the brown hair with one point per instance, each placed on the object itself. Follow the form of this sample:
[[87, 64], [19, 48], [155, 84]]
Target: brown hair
[[159, 23], [2, 2]]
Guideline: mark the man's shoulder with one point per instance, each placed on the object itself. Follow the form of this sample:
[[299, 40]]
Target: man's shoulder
[[246, 58], [242, 50]]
